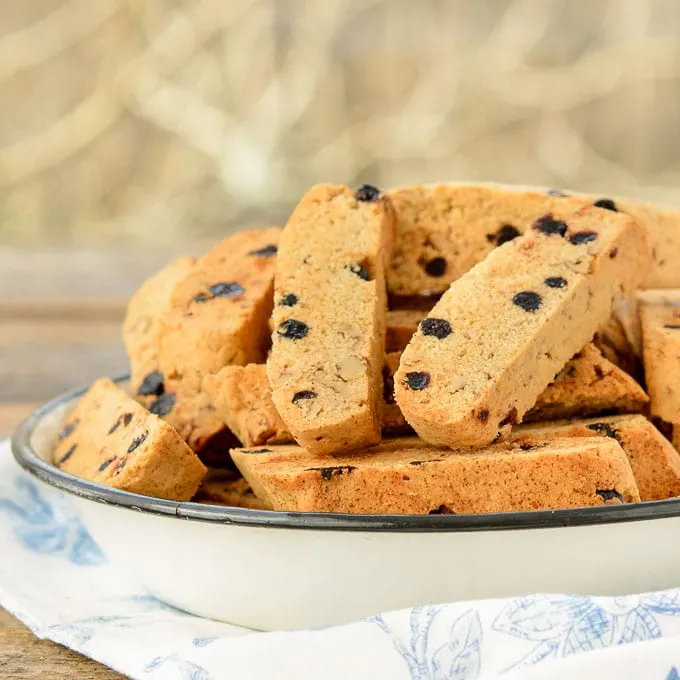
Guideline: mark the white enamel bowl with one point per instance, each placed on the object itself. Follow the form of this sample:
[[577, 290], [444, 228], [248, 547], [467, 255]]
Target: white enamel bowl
[[281, 570]]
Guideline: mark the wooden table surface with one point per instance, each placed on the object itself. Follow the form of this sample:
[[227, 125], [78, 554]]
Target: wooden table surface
[[59, 327]]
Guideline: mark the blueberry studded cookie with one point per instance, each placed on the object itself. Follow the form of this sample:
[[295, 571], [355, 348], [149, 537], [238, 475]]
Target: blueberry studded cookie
[[325, 366], [408, 476], [654, 461], [218, 317], [142, 327], [111, 439], [587, 385], [501, 333]]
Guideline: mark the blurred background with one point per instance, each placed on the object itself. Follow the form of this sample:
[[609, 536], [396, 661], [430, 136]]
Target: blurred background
[[133, 131]]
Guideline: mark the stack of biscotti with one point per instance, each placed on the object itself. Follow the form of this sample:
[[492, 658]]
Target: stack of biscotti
[[379, 353]]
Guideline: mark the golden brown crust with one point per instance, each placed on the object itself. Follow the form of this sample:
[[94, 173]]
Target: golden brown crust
[[326, 359], [110, 439], [587, 385], [511, 323], [408, 476], [655, 463]]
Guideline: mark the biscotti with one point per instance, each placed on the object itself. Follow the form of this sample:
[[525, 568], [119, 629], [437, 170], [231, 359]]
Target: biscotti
[[444, 230], [661, 355], [142, 326], [111, 439], [218, 317], [587, 385], [655, 463], [227, 487], [329, 316], [501, 333], [401, 325], [408, 476]]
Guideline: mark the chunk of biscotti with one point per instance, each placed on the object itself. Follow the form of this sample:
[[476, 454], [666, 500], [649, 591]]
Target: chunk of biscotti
[[408, 476], [218, 317], [325, 366], [444, 230], [142, 326], [501, 333], [401, 325], [661, 356], [587, 385], [655, 463], [229, 488], [243, 399], [111, 439]]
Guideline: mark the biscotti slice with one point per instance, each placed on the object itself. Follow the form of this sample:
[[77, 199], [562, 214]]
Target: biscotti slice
[[408, 476], [111, 439], [444, 230], [243, 399], [401, 325], [227, 487], [142, 326], [218, 317], [501, 333], [329, 315], [587, 385], [661, 356], [655, 463]]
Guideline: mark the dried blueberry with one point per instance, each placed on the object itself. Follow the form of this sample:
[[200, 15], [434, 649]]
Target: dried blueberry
[[610, 495], [442, 510], [506, 233], [137, 442], [201, 297], [613, 253], [152, 384], [388, 385], [116, 425], [417, 380], [289, 300], [555, 282], [302, 395], [67, 455], [267, 251], [359, 270], [106, 464], [510, 418], [527, 300], [368, 193], [229, 289], [328, 472], [606, 203], [483, 415], [550, 226], [257, 450], [603, 428], [439, 328], [68, 429], [163, 405], [581, 237], [293, 329], [436, 267], [127, 418]]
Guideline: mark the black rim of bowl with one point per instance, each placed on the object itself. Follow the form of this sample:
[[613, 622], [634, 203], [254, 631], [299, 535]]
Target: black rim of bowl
[[538, 519]]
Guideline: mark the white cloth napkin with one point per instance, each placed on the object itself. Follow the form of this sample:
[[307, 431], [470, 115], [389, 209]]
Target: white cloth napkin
[[56, 580]]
